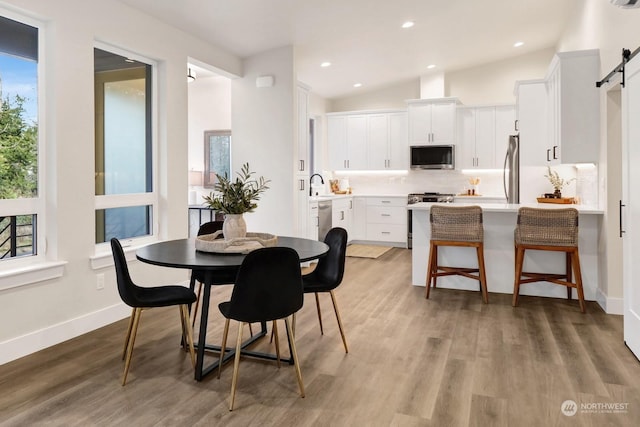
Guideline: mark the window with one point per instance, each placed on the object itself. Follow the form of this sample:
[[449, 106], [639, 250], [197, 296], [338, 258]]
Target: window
[[124, 183], [217, 155], [21, 149]]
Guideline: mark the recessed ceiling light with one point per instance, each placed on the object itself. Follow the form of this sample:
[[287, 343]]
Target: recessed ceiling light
[[357, 85], [325, 64], [518, 44], [430, 67], [408, 24]]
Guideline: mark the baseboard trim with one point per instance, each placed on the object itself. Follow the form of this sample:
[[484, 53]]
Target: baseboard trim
[[32, 342], [609, 305]]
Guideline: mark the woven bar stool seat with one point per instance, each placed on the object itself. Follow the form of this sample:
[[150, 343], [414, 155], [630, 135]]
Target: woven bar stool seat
[[456, 226], [548, 230]]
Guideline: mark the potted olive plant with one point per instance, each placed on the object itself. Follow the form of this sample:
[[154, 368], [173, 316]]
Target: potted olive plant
[[557, 182], [234, 198]]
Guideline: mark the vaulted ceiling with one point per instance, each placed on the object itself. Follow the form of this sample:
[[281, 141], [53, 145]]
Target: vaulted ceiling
[[363, 39]]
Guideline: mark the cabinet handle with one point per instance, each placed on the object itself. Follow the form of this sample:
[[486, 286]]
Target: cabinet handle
[[341, 215], [548, 153], [301, 165], [515, 125], [385, 214], [385, 232], [555, 156], [350, 204], [386, 201], [620, 206]]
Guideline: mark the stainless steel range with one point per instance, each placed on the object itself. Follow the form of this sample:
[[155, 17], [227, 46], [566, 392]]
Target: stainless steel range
[[423, 197]]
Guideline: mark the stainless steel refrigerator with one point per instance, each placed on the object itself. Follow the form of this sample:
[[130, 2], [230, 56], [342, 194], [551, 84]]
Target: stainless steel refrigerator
[[511, 170]]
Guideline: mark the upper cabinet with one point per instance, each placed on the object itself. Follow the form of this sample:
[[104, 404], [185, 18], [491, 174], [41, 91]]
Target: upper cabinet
[[574, 107], [368, 141], [483, 134], [302, 131], [531, 112], [559, 117], [432, 121]]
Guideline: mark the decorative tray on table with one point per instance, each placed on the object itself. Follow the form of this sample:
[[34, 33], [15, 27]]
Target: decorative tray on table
[[240, 245], [561, 200]]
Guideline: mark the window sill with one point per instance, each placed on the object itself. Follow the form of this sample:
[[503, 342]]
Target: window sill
[[103, 257], [31, 274]]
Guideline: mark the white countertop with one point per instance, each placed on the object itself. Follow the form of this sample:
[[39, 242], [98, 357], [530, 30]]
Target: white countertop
[[340, 196], [507, 207]]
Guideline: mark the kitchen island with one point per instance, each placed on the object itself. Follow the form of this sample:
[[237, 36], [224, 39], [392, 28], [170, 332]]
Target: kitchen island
[[499, 224]]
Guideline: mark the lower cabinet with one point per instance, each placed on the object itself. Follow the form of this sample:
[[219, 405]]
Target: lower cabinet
[[386, 219], [342, 213], [313, 224]]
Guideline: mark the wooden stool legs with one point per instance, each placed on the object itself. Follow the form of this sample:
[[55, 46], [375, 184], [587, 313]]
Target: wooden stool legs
[[434, 270], [572, 265]]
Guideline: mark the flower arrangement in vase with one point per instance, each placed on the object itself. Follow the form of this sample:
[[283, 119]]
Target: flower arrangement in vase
[[557, 182], [234, 198]]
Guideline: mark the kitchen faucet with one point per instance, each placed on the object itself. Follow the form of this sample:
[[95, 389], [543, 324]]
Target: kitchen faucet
[[311, 179]]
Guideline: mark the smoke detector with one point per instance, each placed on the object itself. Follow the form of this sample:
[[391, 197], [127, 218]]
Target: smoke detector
[[626, 4]]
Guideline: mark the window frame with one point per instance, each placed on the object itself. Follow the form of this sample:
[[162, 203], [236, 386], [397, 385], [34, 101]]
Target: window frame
[[33, 205], [151, 199]]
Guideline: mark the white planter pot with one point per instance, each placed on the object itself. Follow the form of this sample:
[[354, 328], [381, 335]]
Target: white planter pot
[[234, 226]]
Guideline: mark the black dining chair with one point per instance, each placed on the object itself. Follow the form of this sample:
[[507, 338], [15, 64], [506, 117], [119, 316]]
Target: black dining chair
[[268, 287], [140, 298], [328, 275]]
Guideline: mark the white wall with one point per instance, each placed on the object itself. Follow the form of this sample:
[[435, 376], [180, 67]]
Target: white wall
[[263, 135], [56, 310], [493, 83], [209, 109], [601, 25], [390, 97]]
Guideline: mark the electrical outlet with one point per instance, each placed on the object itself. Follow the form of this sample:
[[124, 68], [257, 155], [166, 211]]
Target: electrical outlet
[[100, 281]]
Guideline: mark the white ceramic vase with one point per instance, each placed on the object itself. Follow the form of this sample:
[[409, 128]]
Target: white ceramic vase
[[234, 226]]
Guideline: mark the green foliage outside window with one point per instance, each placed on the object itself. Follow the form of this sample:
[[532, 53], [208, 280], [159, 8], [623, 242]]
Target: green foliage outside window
[[18, 151]]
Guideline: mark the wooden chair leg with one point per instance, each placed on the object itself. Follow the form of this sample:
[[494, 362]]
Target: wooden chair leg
[[195, 309], [568, 266], [518, 275], [188, 332], [482, 273], [223, 347], [430, 269], [578, 275], [294, 354], [128, 337], [319, 313], [275, 334], [132, 340], [335, 308], [434, 272], [236, 366]]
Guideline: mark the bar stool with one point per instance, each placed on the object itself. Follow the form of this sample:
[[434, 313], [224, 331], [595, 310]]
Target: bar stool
[[456, 226], [548, 230]]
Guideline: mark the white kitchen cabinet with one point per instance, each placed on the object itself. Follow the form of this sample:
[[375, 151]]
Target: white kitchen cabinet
[[386, 219], [531, 110], [359, 219], [368, 141], [432, 121], [573, 107], [347, 138], [505, 126], [342, 213], [313, 225], [301, 166], [483, 136], [302, 131]]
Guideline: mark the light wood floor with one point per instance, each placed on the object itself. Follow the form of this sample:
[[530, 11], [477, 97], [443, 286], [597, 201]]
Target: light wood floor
[[447, 361]]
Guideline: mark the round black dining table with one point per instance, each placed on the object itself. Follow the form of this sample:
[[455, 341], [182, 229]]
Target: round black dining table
[[218, 269]]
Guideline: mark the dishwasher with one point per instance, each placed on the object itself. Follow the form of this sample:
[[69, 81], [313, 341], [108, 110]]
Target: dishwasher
[[324, 218]]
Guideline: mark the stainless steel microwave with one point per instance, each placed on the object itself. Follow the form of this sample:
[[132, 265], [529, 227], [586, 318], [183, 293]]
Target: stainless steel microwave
[[432, 156]]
